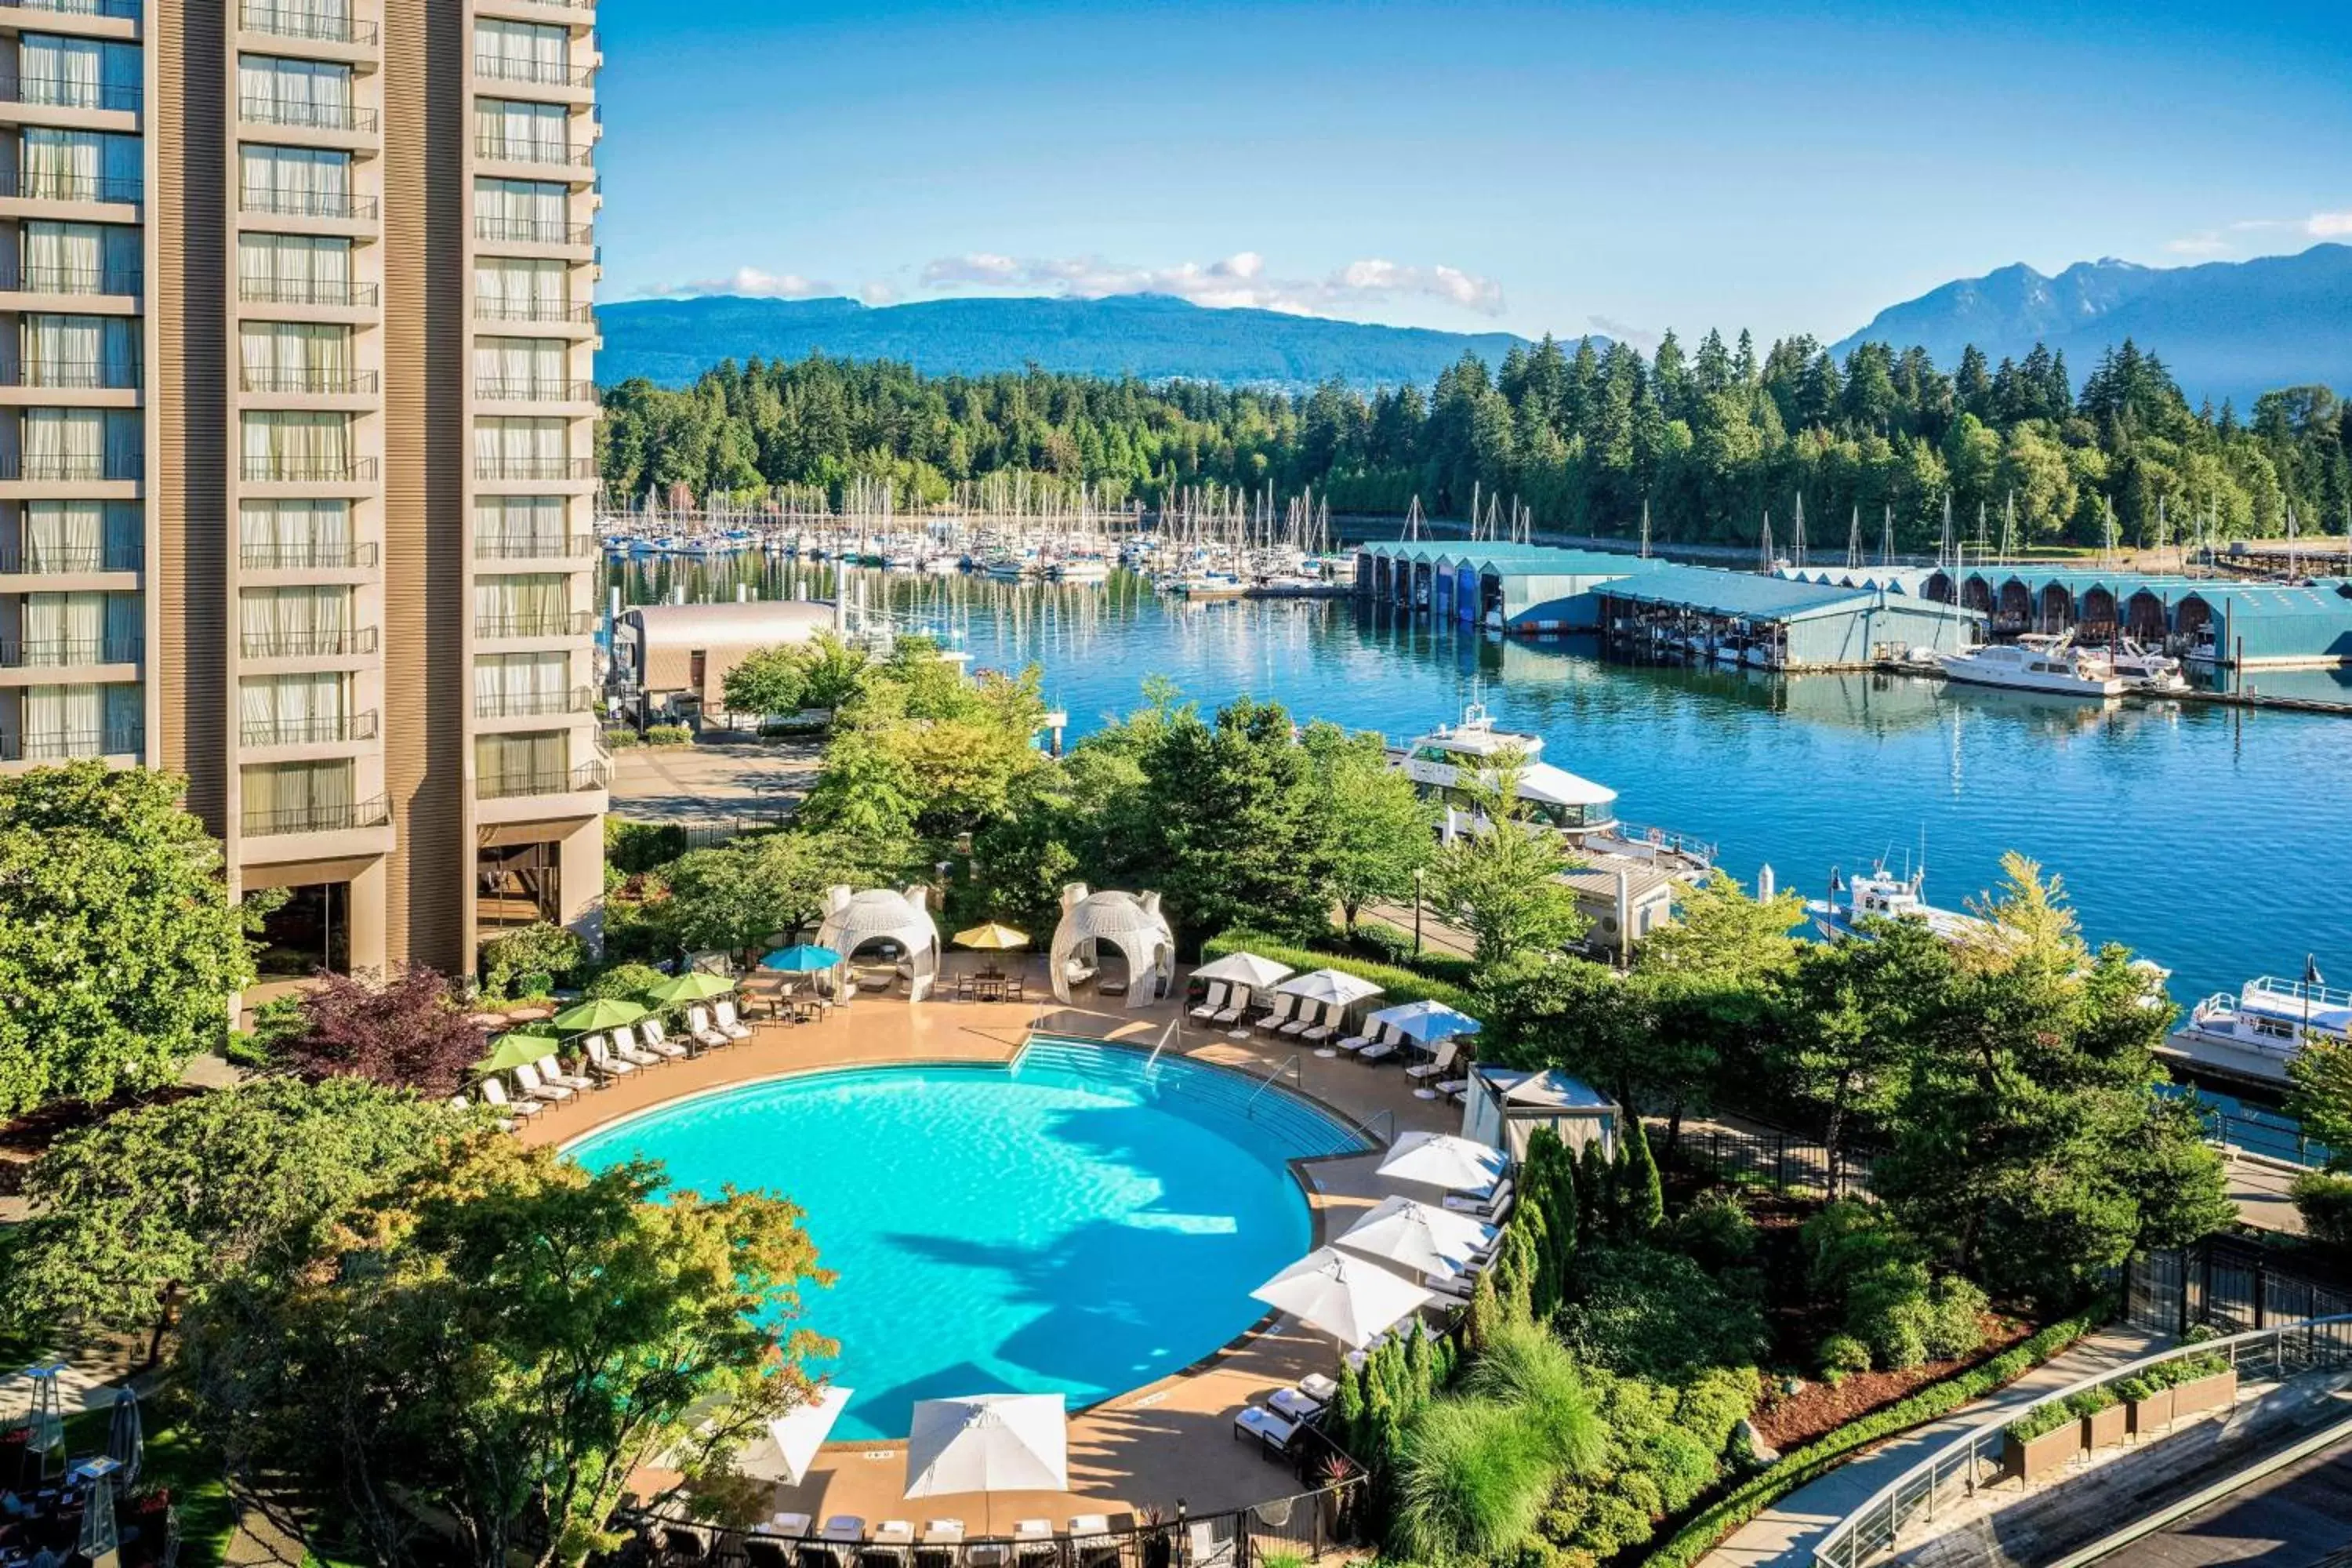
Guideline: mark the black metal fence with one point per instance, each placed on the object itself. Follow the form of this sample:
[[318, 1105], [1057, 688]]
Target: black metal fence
[[2235, 1286], [1787, 1164]]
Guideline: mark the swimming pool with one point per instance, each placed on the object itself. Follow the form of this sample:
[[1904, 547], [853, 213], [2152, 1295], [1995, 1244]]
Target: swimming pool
[[1080, 1222]]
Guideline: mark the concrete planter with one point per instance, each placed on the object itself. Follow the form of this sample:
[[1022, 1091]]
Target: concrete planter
[[2030, 1461], [2103, 1429], [2206, 1394], [2151, 1415]]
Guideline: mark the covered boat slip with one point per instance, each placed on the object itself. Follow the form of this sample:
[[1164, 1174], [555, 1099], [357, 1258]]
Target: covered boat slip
[[2252, 625], [1536, 588], [1776, 622]]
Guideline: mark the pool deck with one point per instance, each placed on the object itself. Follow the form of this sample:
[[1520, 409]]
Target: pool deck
[[1138, 1450]]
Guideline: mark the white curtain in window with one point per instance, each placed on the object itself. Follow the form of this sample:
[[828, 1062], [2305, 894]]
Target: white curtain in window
[[64, 721], [519, 367], [62, 165], [316, 19], [281, 701], [79, 351], [520, 51], [295, 179], [526, 599], [507, 128], [295, 355], [294, 620], [515, 289], [64, 628], [294, 92], [521, 524], [294, 268], [64, 443], [297, 442], [297, 794], [521, 682], [64, 535], [62, 258], [62, 71], [520, 765], [295, 533], [521, 448], [522, 209]]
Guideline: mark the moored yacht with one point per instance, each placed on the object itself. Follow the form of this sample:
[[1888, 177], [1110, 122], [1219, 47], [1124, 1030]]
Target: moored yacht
[[2253, 1034], [2037, 664], [1884, 896], [1437, 763]]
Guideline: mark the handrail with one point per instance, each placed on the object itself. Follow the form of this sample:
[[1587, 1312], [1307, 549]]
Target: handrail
[[1175, 1026], [1372, 1128], [1288, 1064], [1884, 1514]]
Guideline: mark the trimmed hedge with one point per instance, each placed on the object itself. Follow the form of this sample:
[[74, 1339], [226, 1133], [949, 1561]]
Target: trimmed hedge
[[1705, 1530], [1397, 984]]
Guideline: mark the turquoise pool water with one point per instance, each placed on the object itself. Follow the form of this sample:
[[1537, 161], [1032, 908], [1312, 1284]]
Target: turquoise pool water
[[1076, 1224]]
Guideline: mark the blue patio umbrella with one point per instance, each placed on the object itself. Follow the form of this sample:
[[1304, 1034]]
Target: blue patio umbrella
[[805, 959], [1423, 1022]]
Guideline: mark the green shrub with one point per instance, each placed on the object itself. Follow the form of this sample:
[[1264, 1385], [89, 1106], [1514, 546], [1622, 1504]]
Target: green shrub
[[634, 847], [1399, 984], [1715, 1230], [1681, 1463], [1471, 1482], [1954, 1324], [2041, 1420], [669, 735], [2090, 1401], [1657, 1314], [626, 982], [2138, 1387], [622, 740], [2323, 1199], [1522, 1367], [1714, 1402], [539, 952], [1887, 1309], [1842, 1354]]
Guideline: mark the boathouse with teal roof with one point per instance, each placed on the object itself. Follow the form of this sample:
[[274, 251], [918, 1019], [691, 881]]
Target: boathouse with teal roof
[[1529, 588], [1778, 621], [2229, 620]]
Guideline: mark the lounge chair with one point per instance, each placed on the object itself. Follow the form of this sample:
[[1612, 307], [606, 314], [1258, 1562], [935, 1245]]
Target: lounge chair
[[551, 1072], [1275, 1017], [456, 1102], [1351, 1044], [766, 1551], [495, 1093], [942, 1544], [1292, 1405], [1237, 1002], [1381, 1050], [1272, 1432], [604, 1063], [625, 1046], [1215, 1002], [684, 1543], [697, 1022], [1318, 1388], [1489, 1206], [1317, 1034], [527, 1080], [1308, 1017], [724, 1019], [1423, 1074], [656, 1039]]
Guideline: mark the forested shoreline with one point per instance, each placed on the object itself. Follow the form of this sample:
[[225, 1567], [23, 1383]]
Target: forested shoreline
[[1584, 436]]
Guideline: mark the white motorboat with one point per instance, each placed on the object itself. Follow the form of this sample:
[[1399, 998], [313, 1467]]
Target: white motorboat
[[1884, 896], [2254, 1033], [1081, 569], [2145, 670], [1437, 763], [2054, 665]]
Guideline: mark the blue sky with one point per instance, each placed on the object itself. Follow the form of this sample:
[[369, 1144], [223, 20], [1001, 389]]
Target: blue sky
[[1534, 167]]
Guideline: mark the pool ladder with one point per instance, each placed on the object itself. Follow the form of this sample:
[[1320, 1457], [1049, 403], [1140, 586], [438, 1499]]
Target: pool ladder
[[1175, 1026], [1289, 1064]]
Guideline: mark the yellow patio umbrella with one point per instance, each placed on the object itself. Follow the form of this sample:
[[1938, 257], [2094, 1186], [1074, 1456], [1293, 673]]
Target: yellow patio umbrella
[[991, 938]]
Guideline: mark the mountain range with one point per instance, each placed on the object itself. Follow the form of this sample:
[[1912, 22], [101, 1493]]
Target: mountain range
[[2226, 329]]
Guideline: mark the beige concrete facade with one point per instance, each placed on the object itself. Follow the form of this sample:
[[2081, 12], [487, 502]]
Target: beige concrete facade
[[297, 441]]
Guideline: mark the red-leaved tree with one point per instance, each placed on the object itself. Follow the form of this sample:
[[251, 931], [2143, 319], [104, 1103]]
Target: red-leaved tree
[[407, 1031]]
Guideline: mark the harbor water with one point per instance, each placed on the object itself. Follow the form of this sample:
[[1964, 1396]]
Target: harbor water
[[2199, 835]]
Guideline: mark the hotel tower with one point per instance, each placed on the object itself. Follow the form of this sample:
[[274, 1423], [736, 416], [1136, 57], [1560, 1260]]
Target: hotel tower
[[297, 454]]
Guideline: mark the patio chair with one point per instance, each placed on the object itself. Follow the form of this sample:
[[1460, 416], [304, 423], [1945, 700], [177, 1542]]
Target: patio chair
[[656, 1039], [942, 1544], [625, 1046], [1211, 1544], [698, 1022], [1381, 1050], [1293, 1406], [495, 1093], [1274, 1017], [527, 1080], [1490, 1208], [602, 1062], [1306, 1018], [684, 1544], [1320, 1388], [1215, 1002], [1317, 1034], [551, 1072], [727, 1023], [1237, 1002], [456, 1102], [767, 1552], [1425, 1073], [1272, 1432]]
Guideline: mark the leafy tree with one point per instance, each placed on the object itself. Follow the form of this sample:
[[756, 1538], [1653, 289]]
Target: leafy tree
[[120, 949], [2322, 1097], [822, 672], [735, 897], [1583, 1018], [161, 1203], [1715, 979], [1499, 877], [541, 949], [407, 1031], [1380, 830], [1640, 1192], [924, 750], [506, 1346], [1857, 1008]]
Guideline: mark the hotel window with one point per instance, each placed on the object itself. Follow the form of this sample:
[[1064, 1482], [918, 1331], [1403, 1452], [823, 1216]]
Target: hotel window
[[296, 356], [507, 765], [77, 352], [82, 536], [91, 443], [78, 258], [272, 91], [522, 369], [517, 527], [81, 628], [292, 444], [509, 290], [77, 73], [537, 211], [329, 19], [294, 709], [509, 685], [528, 605], [295, 533], [85, 720], [309, 621], [294, 269], [522, 448], [301, 797], [523, 132], [303, 180], [521, 51], [79, 165]]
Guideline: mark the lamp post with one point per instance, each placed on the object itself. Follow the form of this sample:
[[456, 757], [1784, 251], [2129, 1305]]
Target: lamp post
[[1418, 873]]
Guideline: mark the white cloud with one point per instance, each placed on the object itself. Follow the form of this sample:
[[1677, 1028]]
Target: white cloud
[[2205, 242], [1624, 332], [879, 294], [751, 280], [1240, 280], [2217, 241], [2328, 226]]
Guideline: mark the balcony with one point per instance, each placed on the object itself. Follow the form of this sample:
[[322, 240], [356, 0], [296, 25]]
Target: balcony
[[532, 389], [308, 732], [72, 375], [533, 704], [531, 546], [59, 560], [63, 186], [68, 92], [533, 231], [18, 277], [566, 624], [323, 29], [541, 73], [376, 813], [341, 644], [50, 653], [517, 469], [551, 313], [304, 378], [276, 203], [308, 471], [338, 291], [306, 116], [305, 557], [507, 786], [523, 150], [73, 467], [121, 10], [59, 745]]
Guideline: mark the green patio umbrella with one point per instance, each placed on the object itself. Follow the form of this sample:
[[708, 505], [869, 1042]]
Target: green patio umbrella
[[605, 1012], [513, 1049], [694, 985]]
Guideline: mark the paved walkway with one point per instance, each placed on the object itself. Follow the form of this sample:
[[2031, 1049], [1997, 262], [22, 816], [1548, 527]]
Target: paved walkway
[[1784, 1536]]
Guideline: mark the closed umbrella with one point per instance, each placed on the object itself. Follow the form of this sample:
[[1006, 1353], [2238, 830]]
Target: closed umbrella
[[694, 985], [126, 1436], [1353, 1300], [989, 1443], [604, 1012], [1325, 985], [805, 959], [794, 1438], [514, 1049], [1417, 1236], [1423, 1022], [991, 938], [1243, 969], [1444, 1160]]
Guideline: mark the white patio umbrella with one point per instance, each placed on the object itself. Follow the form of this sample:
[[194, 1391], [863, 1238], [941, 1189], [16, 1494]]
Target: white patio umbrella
[[1244, 968], [1417, 1236], [794, 1438], [1426, 1021], [1325, 985], [1353, 1300], [989, 1443], [1444, 1160]]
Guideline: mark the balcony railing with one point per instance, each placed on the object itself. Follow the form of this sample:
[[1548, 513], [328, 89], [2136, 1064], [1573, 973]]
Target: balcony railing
[[74, 468], [305, 557], [320, 28], [65, 185], [123, 555], [122, 10], [549, 313], [532, 231], [524, 150], [72, 375], [309, 470], [542, 73], [533, 389], [533, 704], [566, 624], [303, 378], [507, 786], [341, 644], [71, 92], [308, 732], [55, 745], [306, 116], [19, 277], [497, 469], [305, 203], [531, 546], [563, 5], [376, 813], [306, 292], [46, 653]]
